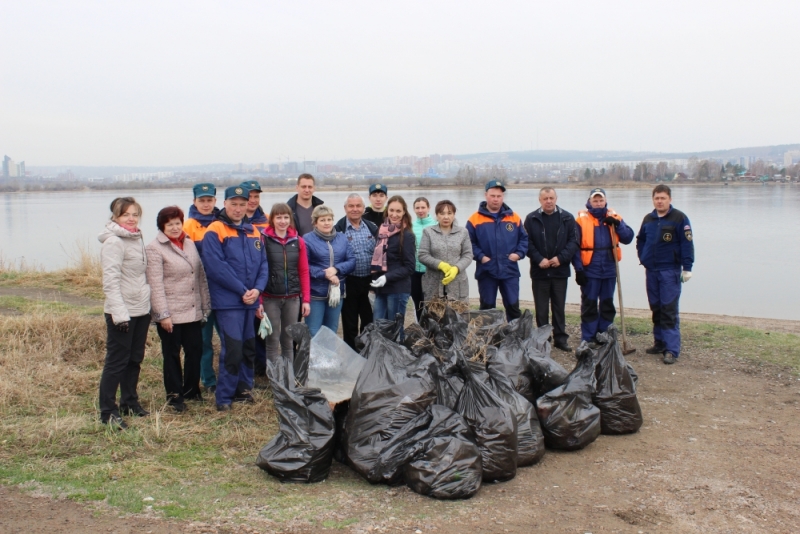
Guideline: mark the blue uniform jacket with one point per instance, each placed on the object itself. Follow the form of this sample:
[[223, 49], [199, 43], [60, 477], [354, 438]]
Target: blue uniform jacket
[[666, 242], [319, 259], [497, 235], [602, 264], [195, 230], [235, 262]]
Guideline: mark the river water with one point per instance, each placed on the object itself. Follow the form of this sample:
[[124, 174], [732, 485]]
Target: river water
[[747, 258]]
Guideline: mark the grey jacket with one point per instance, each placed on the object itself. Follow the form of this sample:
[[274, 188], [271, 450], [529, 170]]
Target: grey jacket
[[454, 248], [124, 262], [178, 286]]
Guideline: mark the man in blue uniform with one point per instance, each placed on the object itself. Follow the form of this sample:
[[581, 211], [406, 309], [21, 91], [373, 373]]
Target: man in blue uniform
[[498, 243], [236, 269], [666, 249]]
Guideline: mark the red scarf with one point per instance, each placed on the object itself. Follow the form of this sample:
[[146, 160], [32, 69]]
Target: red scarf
[[385, 231], [178, 242]]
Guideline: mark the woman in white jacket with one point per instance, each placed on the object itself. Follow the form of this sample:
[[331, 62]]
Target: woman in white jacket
[[127, 311]]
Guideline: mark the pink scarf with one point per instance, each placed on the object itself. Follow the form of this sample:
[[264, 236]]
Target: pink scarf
[[386, 231], [131, 229]]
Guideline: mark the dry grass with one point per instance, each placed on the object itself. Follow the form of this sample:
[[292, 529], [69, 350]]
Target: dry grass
[[83, 275]]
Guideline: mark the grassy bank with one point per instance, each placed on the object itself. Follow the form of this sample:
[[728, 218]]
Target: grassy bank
[[198, 465]]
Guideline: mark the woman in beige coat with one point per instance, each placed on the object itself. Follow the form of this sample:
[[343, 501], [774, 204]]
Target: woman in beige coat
[[446, 251], [127, 312], [180, 302]]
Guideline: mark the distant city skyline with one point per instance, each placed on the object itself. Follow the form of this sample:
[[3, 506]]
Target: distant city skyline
[[92, 83]]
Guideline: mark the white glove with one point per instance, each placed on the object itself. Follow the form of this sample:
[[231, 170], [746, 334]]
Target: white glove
[[686, 276], [380, 282], [334, 296], [265, 328]]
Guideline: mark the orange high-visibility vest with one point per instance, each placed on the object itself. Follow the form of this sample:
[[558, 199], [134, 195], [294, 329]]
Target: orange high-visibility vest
[[587, 224]]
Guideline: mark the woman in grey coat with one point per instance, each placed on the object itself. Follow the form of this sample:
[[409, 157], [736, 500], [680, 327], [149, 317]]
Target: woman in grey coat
[[127, 312], [447, 252]]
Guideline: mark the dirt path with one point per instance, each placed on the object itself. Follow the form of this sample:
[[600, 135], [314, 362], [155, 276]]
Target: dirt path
[[718, 452]]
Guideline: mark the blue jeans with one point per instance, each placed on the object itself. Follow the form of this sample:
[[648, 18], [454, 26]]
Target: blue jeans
[[207, 375], [323, 315], [387, 306]]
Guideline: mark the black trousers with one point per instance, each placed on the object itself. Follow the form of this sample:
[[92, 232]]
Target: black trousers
[[124, 355], [184, 384], [356, 306], [416, 293], [551, 295]]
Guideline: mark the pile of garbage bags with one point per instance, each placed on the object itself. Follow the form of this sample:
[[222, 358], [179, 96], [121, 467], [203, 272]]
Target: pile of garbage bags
[[463, 398]]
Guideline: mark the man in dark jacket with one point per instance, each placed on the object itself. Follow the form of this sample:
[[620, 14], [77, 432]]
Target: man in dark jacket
[[377, 204], [303, 203], [600, 231], [666, 249], [551, 245], [237, 271], [498, 243], [361, 235]]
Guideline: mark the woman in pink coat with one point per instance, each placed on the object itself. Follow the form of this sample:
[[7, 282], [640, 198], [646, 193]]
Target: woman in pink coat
[[180, 302]]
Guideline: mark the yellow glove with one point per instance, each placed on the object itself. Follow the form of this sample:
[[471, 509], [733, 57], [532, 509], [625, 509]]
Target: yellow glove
[[444, 267], [450, 275]]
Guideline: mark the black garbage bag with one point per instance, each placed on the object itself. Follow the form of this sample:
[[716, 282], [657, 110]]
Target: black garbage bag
[[493, 424], [530, 440], [302, 338], [539, 339], [303, 449], [448, 464], [545, 373], [519, 328], [569, 419], [340, 435], [484, 322], [399, 450], [449, 381], [511, 360], [417, 340], [394, 387], [388, 328], [615, 393]]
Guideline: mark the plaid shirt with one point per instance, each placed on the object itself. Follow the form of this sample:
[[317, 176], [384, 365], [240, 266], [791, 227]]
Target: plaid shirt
[[362, 243]]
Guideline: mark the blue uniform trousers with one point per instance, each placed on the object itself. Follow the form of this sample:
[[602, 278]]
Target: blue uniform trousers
[[509, 291], [597, 306], [663, 293], [237, 355], [207, 375]]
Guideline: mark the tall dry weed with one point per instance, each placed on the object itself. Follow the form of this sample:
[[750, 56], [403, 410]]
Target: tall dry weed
[[50, 367]]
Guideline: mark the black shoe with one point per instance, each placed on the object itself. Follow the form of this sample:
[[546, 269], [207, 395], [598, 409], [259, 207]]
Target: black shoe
[[223, 407], [114, 422], [179, 407], [244, 398], [563, 346], [137, 410], [669, 358], [656, 349]]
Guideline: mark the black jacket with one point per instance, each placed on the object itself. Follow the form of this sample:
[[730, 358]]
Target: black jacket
[[375, 217], [341, 226], [566, 244], [292, 202], [400, 265]]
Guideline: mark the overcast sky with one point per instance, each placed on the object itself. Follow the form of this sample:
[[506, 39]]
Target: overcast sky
[[178, 83]]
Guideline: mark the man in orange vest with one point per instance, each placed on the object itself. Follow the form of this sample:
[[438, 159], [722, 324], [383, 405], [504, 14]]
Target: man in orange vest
[[600, 231]]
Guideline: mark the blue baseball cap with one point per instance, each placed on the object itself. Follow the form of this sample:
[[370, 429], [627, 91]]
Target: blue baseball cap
[[204, 190], [597, 191], [495, 183], [378, 188], [252, 185], [237, 191]]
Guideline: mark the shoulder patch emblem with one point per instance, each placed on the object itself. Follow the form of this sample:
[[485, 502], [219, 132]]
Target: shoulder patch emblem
[[667, 237], [509, 227], [687, 227], [688, 234], [257, 244]]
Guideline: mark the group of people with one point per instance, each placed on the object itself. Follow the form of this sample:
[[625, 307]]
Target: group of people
[[244, 272]]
